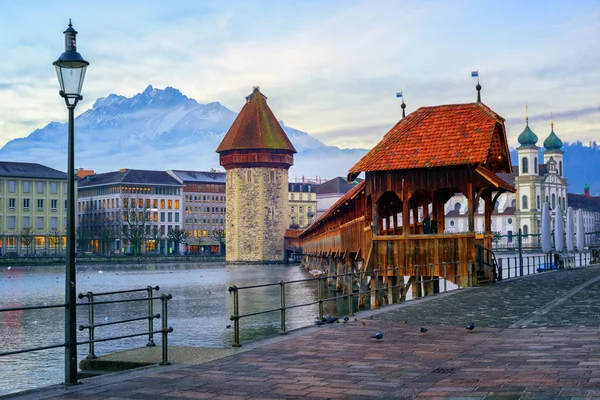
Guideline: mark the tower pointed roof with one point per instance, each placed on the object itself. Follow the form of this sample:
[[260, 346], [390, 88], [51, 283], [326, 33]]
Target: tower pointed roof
[[552, 142], [256, 128], [527, 137]]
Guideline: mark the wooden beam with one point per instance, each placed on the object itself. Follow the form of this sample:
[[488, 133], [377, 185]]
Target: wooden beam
[[470, 216]]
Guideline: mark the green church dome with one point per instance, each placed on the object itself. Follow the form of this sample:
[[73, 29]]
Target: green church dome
[[552, 142], [527, 137]]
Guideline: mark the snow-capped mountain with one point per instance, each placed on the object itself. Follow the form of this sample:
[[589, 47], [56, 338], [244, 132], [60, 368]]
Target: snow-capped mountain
[[161, 129]]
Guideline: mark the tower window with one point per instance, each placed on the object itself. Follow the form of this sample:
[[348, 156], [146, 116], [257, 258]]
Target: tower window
[[249, 176], [560, 168], [535, 165], [525, 165], [553, 201], [524, 203], [525, 230]]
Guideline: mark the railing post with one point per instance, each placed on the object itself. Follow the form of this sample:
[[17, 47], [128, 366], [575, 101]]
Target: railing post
[[508, 266], [91, 326], [500, 272], [165, 330], [431, 277], [320, 294], [235, 317], [445, 277], [150, 290], [350, 296], [470, 272], [528, 270], [282, 286], [458, 274]]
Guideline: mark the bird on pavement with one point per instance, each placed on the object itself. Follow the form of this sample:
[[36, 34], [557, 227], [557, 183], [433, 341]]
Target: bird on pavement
[[471, 326], [377, 336], [423, 330], [346, 318], [319, 322], [331, 320]]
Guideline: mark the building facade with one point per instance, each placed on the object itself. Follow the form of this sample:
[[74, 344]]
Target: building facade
[[204, 210], [331, 191], [590, 207], [32, 209], [130, 212], [303, 204], [256, 154]]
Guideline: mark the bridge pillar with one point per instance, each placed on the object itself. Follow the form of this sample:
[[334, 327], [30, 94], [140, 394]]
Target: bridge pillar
[[346, 270], [362, 290], [376, 283], [392, 289], [339, 270], [330, 270]]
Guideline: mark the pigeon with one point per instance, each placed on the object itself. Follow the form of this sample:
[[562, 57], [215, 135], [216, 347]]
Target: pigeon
[[423, 330], [378, 336], [346, 318], [471, 326], [331, 320], [319, 322], [228, 327]]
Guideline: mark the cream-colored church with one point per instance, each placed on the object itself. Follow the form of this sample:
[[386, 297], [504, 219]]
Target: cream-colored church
[[536, 181]]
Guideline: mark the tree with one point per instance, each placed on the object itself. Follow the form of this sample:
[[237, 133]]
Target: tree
[[134, 227], [27, 238], [177, 236], [108, 231], [156, 236], [219, 234], [54, 239]]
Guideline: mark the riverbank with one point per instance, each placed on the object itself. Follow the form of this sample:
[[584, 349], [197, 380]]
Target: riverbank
[[92, 260]]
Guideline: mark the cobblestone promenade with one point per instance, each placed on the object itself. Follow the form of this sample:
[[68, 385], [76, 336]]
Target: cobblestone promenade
[[534, 337]]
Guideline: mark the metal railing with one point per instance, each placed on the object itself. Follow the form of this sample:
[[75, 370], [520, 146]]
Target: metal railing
[[362, 276], [91, 326], [532, 264]]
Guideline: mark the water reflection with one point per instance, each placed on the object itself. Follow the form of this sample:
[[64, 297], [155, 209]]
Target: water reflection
[[199, 311]]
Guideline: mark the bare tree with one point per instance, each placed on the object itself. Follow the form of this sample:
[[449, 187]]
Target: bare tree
[[134, 227], [177, 236], [219, 234], [156, 236], [27, 238], [54, 239]]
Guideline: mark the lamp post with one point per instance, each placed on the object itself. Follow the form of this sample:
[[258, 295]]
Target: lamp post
[[70, 69]]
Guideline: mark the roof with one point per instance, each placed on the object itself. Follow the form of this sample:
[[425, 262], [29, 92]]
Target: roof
[[348, 196], [130, 176], [337, 185], [293, 233], [576, 201], [494, 179], [200, 176], [29, 170], [438, 136], [527, 137], [302, 187], [256, 127], [552, 142]]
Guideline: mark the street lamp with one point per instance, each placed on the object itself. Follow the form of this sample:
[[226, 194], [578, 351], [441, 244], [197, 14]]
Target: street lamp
[[70, 69]]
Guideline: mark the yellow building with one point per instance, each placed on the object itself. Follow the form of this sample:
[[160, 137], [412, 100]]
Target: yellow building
[[303, 204], [32, 209]]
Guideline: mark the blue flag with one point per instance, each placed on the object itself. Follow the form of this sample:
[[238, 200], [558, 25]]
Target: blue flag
[[474, 74], [399, 94]]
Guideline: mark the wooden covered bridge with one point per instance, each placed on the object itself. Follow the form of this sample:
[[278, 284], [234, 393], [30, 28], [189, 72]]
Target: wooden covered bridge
[[392, 222]]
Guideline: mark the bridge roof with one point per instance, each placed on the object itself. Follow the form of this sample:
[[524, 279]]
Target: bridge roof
[[439, 136]]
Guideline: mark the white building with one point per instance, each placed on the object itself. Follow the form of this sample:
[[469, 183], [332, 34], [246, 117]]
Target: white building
[[129, 211]]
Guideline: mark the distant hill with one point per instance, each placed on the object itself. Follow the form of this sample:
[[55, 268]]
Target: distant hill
[[161, 129], [582, 165]]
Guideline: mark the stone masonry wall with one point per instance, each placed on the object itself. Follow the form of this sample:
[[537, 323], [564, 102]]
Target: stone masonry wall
[[257, 214]]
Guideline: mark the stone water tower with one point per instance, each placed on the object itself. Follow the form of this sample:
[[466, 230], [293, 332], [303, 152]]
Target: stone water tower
[[256, 153]]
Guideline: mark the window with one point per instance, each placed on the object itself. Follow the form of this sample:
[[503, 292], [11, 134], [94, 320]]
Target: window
[[524, 205], [140, 203], [293, 210], [26, 186], [509, 221], [40, 205], [65, 204], [11, 204], [169, 217], [53, 222], [525, 230], [535, 165], [553, 201], [525, 165], [560, 168], [162, 217], [292, 196], [40, 187], [40, 222], [26, 204], [53, 204], [53, 187], [537, 202], [457, 206], [11, 222], [451, 222], [12, 186], [496, 205], [177, 204], [513, 203], [248, 176], [26, 222], [162, 204], [176, 217], [170, 204]]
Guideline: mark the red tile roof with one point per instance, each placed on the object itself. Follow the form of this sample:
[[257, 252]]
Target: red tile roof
[[455, 134], [256, 128]]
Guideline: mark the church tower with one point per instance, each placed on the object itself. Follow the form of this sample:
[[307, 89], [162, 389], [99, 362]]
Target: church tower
[[528, 185], [556, 184], [256, 153]]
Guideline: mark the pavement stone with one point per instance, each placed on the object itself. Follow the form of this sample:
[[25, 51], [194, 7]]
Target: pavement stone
[[535, 337]]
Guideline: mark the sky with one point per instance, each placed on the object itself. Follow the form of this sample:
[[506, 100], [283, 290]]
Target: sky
[[330, 68]]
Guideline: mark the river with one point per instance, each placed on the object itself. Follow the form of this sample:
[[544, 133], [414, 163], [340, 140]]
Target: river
[[199, 311]]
